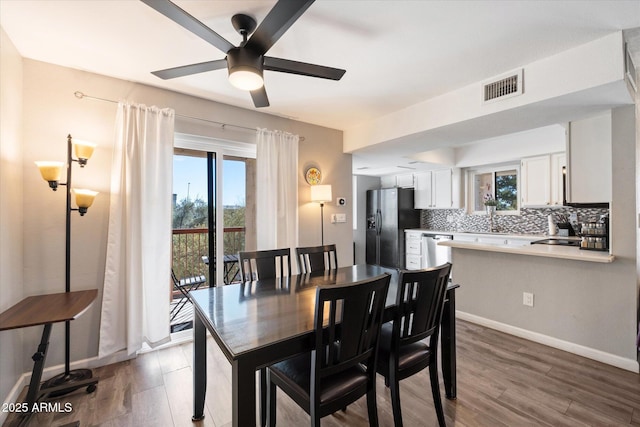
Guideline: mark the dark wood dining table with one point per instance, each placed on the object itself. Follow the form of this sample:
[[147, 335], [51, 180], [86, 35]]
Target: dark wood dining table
[[262, 322]]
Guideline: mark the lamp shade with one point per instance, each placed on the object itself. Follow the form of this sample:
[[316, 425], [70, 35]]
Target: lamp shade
[[84, 198], [50, 171], [83, 149], [320, 193]]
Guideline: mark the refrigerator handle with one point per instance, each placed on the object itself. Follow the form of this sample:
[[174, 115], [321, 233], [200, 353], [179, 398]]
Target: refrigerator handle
[[378, 222]]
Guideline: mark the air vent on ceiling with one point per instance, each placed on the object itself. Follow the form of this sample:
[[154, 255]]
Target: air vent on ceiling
[[502, 87], [630, 69]]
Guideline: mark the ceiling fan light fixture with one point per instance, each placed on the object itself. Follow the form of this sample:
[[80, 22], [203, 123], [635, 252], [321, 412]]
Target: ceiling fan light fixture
[[245, 69], [246, 79]]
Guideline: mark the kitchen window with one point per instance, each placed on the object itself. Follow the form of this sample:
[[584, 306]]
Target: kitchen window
[[499, 183]]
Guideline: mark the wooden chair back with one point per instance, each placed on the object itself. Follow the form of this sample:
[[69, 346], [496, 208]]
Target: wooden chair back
[[420, 300], [316, 258], [265, 264], [347, 322]]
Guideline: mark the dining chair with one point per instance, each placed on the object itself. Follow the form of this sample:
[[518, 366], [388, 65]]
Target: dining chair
[[341, 367], [402, 352], [316, 258], [255, 265], [267, 264]]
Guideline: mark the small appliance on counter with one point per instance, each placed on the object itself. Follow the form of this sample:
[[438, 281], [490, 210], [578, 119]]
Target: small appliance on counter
[[595, 235], [565, 229]]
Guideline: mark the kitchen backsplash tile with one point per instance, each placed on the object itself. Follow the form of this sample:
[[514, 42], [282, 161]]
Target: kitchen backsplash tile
[[530, 220]]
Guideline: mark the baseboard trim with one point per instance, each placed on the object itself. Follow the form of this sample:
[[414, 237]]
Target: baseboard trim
[[580, 350], [89, 363], [13, 395]]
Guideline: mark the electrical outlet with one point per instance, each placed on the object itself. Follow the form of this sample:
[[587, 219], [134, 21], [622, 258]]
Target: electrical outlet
[[527, 299]]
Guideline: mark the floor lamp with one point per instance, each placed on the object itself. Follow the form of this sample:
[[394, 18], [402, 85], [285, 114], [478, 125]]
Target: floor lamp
[[51, 172], [321, 194]]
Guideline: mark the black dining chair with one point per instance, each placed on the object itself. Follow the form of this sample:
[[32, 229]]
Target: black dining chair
[[341, 367], [402, 352], [316, 258], [265, 264]]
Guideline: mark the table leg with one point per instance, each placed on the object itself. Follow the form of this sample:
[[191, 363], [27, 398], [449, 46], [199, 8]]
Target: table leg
[[448, 344], [199, 367], [243, 394], [39, 358]]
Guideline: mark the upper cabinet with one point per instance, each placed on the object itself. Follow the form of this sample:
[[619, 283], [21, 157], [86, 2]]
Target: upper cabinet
[[541, 180], [423, 192], [405, 181], [439, 189], [402, 181], [558, 173], [589, 165], [535, 181]]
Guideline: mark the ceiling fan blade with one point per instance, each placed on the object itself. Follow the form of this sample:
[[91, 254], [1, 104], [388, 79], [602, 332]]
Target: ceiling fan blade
[[279, 19], [186, 70], [302, 68], [259, 97], [182, 18]]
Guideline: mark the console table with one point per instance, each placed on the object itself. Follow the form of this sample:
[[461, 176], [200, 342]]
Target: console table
[[47, 310]]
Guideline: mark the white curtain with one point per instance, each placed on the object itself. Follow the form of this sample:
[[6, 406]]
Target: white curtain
[[135, 301], [277, 190]]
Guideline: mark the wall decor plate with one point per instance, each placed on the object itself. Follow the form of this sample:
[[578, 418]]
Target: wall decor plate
[[313, 176]]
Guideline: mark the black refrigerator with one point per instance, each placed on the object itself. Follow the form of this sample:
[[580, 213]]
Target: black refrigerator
[[389, 212]]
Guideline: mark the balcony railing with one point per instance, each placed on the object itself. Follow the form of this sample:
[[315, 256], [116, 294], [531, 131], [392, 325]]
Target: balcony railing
[[189, 245]]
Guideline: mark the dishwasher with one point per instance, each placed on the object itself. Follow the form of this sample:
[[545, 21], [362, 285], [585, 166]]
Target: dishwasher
[[433, 254]]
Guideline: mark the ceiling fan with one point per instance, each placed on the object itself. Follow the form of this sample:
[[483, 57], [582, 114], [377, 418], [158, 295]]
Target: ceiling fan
[[246, 62]]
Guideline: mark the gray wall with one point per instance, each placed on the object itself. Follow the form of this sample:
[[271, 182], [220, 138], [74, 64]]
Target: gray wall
[[588, 304], [11, 225], [51, 111], [363, 183]]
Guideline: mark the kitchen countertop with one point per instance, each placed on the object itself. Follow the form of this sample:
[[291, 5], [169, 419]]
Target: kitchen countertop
[[549, 251], [531, 237]]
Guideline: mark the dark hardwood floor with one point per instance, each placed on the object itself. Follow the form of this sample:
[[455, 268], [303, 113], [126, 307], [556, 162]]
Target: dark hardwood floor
[[502, 381]]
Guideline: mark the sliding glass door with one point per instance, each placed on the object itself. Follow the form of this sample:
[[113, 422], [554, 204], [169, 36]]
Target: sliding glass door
[[214, 207], [193, 233]]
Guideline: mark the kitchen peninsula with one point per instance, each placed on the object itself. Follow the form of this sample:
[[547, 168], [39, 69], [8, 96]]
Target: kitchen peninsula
[[574, 293], [520, 245]]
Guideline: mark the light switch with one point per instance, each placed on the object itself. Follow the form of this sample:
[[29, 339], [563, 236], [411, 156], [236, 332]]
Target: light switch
[[338, 218]]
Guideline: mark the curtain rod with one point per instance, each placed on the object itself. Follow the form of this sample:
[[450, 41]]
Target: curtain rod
[[81, 95]]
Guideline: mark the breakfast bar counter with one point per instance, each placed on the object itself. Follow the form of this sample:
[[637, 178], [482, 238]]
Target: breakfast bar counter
[[549, 251]]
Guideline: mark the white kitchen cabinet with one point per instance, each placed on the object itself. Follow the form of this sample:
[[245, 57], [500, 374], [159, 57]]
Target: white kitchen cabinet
[[413, 250], [388, 181], [405, 181], [442, 190], [401, 181], [541, 180], [422, 194], [439, 189], [535, 181], [589, 164], [558, 164]]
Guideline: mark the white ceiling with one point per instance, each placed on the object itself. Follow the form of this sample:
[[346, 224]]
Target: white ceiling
[[396, 53]]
